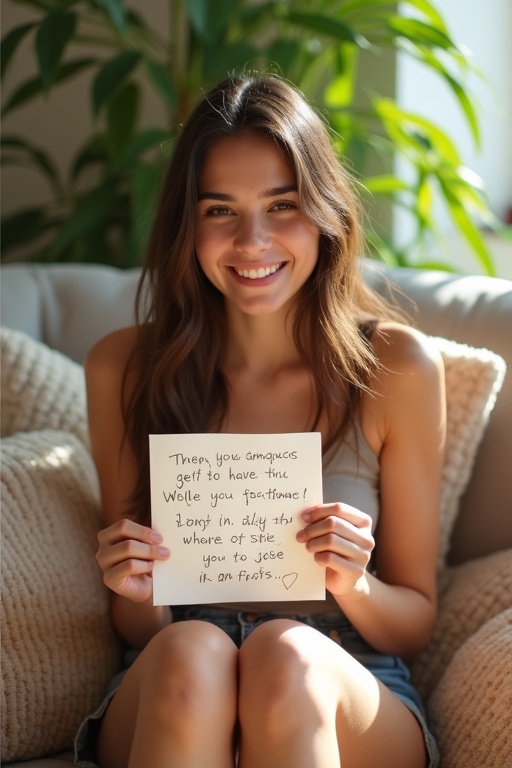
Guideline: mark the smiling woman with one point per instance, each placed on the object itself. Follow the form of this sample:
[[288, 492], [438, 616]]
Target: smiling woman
[[259, 322]]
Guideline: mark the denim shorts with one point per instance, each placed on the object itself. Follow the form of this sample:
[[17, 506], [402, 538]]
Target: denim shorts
[[390, 670]]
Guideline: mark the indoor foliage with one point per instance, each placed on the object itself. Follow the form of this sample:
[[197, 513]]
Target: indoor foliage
[[101, 211]]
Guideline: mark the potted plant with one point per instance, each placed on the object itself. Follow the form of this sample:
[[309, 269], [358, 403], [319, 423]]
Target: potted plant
[[102, 210]]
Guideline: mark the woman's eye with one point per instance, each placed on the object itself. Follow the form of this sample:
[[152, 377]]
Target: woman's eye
[[284, 205], [217, 210]]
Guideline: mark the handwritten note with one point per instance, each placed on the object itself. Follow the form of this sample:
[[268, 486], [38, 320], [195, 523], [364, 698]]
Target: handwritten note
[[228, 507]]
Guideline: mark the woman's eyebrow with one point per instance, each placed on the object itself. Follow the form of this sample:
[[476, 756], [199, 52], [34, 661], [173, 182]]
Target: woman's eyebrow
[[272, 192], [276, 191], [216, 196]]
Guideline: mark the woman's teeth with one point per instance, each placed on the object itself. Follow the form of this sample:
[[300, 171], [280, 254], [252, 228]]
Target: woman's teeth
[[257, 274]]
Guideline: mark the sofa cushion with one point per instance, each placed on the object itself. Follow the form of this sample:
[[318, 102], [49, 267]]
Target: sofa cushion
[[58, 647], [470, 709], [41, 388], [473, 379], [469, 596]]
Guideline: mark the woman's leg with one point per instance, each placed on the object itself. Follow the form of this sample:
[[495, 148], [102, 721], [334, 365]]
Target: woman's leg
[[177, 703], [304, 701]]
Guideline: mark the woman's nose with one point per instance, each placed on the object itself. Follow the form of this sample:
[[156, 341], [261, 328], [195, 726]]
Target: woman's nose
[[253, 235]]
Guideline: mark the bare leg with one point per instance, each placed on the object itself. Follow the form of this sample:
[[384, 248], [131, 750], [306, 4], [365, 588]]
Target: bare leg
[[182, 686], [304, 703]]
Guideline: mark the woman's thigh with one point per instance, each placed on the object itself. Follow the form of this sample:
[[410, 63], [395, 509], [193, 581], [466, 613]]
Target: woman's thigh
[[289, 669], [194, 656]]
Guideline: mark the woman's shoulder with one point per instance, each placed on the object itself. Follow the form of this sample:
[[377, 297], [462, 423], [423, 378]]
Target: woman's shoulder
[[407, 389], [401, 349], [109, 357]]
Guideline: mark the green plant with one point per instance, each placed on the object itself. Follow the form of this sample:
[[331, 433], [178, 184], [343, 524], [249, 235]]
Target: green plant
[[101, 212]]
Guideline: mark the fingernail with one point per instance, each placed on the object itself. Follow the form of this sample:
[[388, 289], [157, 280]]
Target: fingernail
[[156, 538], [164, 552], [306, 516], [300, 536]]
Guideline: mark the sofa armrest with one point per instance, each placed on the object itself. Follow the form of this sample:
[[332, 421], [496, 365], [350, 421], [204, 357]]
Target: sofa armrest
[[473, 310], [67, 306]]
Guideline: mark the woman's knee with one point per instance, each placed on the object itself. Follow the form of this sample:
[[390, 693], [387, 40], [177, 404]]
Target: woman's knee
[[277, 667], [187, 667]]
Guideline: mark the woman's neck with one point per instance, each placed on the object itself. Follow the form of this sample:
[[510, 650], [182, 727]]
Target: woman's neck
[[260, 344]]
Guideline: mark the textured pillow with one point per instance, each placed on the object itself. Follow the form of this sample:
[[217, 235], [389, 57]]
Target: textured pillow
[[58, 647], [473, 380], [470, 709], [469, 596], [41, 388]]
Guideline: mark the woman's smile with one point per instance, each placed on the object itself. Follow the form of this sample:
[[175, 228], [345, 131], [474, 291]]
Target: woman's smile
[[257, 274]]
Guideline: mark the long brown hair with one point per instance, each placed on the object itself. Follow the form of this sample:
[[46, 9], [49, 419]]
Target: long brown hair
[[180, 314]]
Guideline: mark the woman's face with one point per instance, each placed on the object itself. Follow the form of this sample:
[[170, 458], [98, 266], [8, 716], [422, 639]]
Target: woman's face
[[252, 239]]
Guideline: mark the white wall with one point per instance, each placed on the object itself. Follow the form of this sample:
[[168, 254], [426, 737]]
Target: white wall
[[485, 27]]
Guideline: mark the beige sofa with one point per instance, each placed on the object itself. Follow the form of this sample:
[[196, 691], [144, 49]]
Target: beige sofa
[[465, 674]]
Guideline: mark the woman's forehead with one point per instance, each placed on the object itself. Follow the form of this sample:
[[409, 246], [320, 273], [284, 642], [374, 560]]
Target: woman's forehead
[[247, 158]]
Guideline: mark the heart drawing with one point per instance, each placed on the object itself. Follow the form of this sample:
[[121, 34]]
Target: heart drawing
[[289, 579]]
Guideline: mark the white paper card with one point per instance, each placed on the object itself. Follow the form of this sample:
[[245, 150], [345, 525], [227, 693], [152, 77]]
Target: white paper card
[[228, 507]]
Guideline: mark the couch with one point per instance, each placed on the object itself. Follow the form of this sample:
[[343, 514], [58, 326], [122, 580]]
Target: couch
[[51, 315]]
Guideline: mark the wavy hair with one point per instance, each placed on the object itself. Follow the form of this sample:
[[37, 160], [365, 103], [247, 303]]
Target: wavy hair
[[180, 315]]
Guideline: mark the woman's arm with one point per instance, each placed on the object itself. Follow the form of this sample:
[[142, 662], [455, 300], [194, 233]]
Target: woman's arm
[[126, 550], [404, 422]]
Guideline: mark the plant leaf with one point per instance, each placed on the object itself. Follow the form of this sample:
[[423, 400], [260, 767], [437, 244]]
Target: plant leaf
[[90, 211], [111, 77], [219, 61], [163, 82], [22, 227], [420, 33], [51, 39], [9, 44], [93, 153], [35, 155], [386, 185], [328, 26], [145, 181], [428, 58], [116, 11], [469, 230], [33, 87], [141, 142], [210, 20], [122, 113]]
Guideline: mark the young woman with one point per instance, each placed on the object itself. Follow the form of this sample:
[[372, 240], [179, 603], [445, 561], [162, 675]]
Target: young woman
[[256, 320]]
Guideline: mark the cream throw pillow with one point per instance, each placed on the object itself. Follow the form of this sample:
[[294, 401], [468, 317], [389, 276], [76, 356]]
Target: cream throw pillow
[[471, 707], [473, 380], [58, 647], [41, 388]]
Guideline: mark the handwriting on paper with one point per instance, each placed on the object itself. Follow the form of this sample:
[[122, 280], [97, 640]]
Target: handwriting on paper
[[228, 507]]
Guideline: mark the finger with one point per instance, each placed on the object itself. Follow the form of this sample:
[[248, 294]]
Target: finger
[[348, 550], [337, 527], [128, 529], [109, 556], [123, 571], [337, 509]]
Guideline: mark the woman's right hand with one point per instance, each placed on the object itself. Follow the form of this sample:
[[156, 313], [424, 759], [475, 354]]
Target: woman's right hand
[[126, 553]]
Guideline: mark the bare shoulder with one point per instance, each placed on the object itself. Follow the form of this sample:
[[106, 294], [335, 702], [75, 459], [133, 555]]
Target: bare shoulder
[[107, 361], [112, 350], [403, 350], [407, 388]]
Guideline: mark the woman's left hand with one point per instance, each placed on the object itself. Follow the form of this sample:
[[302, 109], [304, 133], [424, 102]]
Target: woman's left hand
[[340, 538]]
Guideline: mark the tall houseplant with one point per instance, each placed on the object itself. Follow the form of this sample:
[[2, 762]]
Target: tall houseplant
[[102, 210]]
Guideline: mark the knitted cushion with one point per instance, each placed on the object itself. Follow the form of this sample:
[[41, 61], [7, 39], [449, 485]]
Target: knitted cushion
[[472, 705], [41, 389], [469, 595], [473, 380], [58, 648]]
